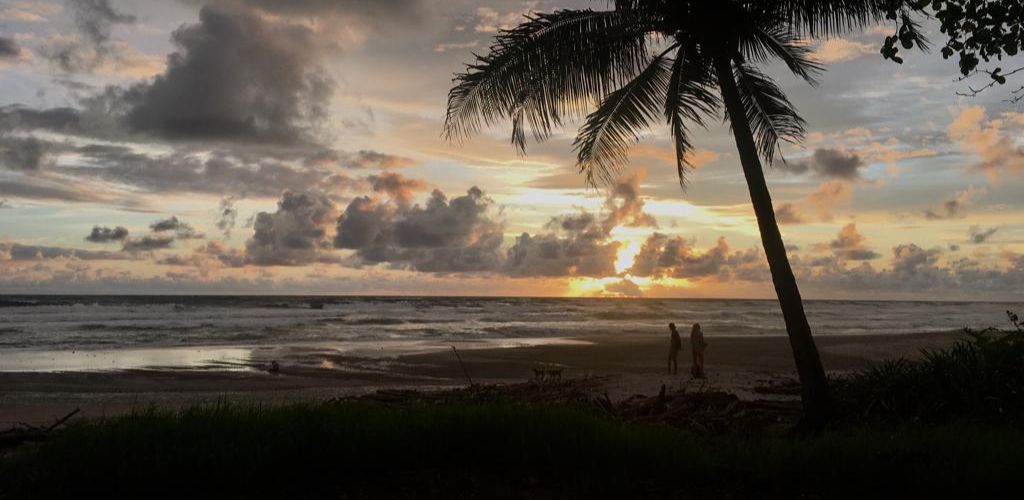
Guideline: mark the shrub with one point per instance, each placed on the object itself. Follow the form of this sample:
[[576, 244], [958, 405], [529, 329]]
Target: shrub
[[981, 376]]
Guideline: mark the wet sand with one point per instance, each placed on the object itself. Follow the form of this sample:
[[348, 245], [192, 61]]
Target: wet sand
[[637, 365]]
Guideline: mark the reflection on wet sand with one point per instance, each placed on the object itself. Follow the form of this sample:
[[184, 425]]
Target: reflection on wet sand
[[240, 358]]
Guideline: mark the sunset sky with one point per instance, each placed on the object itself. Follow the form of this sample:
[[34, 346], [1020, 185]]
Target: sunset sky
[[256, 146]]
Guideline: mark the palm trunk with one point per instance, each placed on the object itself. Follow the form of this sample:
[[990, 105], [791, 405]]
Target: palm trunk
[[817, 399]]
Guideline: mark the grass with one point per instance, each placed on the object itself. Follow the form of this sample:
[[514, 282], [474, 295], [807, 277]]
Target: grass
[[495, 451]]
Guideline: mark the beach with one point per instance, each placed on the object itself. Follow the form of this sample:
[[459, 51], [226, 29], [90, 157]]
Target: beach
[[751, 367]]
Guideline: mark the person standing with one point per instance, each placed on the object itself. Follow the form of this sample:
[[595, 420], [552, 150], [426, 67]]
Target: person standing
[[674, 346], [698, 344]]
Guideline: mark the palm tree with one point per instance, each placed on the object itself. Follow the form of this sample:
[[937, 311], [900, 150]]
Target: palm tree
[[675, 60]]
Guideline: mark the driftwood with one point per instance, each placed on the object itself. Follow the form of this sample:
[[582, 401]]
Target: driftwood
[[26, 433]]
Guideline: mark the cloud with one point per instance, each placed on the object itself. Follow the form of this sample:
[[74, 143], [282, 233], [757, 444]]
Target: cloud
[[829, 163], [396, 186], [147, 244], [788, 213], [672, 256], [227, 214], [19, 252], [993, 142], [581, 244], [217, 173], [849, 245], [373, 159], [9, 48], [105, 234], [978, 235], [26, 154], [827, 196], [441, 48], [955, 207], [838, 50], [296, 234], [575, 245], [624, 288], [342, 20], [490, 20], [26, 11], [624, 205], [17, 117], [236, 76], [914, 272], [182, 230], [38, 189], [94, 21], [910, 259], [444, 236]]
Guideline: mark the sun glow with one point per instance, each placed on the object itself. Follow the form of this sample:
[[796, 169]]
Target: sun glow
[[604, 287]]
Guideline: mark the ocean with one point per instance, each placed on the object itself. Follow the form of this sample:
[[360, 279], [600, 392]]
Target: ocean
[[56, 333]]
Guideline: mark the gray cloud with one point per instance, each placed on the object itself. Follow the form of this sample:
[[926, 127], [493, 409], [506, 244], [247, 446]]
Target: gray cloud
[[849, 245], [148, 244], [193, 173], [96, 18], [624, 205], [94, 21], [576, 245], [377, 14], [396, 186], [236, 76], [444, 236], [625, 288], [182, 230], [40, 190], [9, 48], [788, 213], [296, 234], [665, 256], [227, 214], [26, 154], [828, 163], [581, 244], [105, 234], [17, 117], [17, 251], [954, 207], [373, 159], [979, 235]]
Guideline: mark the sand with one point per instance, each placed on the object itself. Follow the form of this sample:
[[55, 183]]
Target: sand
[[636, 365]]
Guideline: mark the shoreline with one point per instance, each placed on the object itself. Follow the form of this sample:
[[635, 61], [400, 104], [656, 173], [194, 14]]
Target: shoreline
[[633, 364]]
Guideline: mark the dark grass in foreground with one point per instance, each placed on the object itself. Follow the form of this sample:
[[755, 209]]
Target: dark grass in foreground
[[496, 450]]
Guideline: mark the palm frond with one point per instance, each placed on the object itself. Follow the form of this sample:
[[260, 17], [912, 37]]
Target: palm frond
[[828, 18], [762, 44], [549, 68], [689, 96], [603, 142], [768, 111]]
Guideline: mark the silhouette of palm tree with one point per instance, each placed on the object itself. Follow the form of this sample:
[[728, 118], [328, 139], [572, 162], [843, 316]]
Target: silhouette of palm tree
[[674, 60]]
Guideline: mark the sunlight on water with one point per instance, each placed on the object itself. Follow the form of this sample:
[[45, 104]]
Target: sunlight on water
[[222, 358]]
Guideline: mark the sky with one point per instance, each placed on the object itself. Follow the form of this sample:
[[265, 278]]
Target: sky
[[255, 146]]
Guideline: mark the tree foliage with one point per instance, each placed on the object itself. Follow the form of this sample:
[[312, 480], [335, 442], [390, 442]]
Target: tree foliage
[[979, 33]]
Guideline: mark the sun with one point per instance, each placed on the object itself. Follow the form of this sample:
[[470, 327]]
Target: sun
[[630, 242]]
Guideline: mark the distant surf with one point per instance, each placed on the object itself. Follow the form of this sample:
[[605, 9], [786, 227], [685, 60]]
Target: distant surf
[[82, 323]]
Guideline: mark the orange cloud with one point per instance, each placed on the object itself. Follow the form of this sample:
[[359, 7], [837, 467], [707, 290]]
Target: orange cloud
[[839, 50], [991, 141]]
